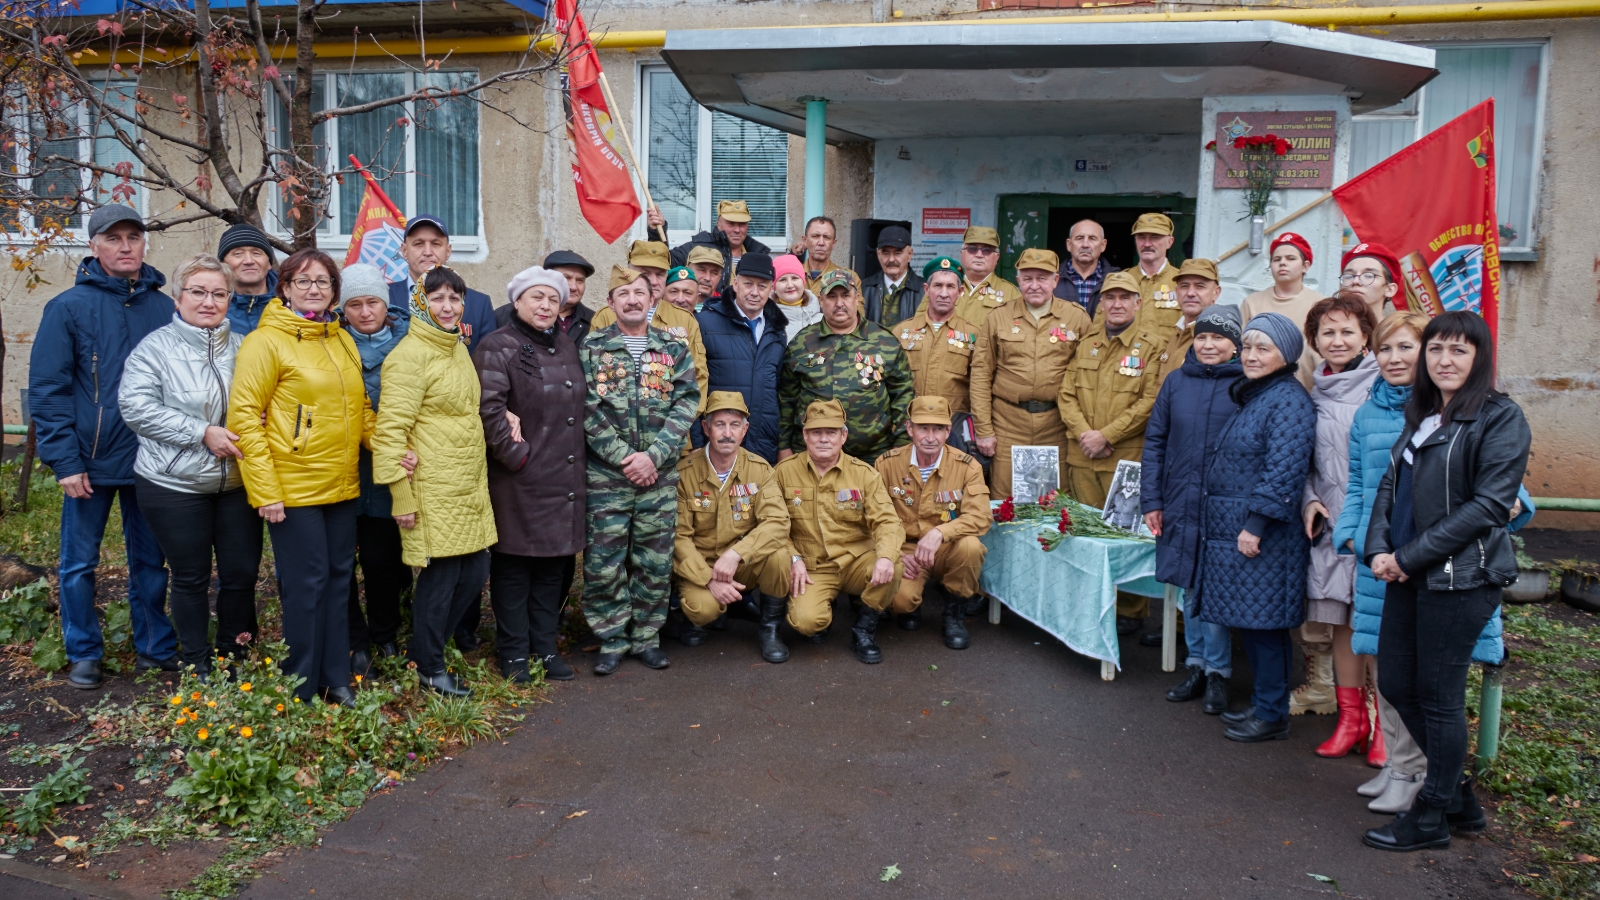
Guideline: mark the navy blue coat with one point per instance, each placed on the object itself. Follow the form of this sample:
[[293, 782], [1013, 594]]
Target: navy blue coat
[[1253, 483], [478, 314], [734, 362], [244, 310], [84, 337], [1182, 435]]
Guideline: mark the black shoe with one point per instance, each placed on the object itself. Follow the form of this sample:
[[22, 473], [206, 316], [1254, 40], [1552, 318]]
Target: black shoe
[[339, 696], [387, 648], [975, 605], [607, 663], [1254, 731], [1418, 828], [172, 663], [1190, 688], [1127, 626], [863, 637], [1216, 699], [653, 657], [360, 663], [742, 609], [692, 635], [720, 623], [773, 649], [556, 668], [908, 621], [821, 637], [86, 675], [1150, 639], [515, 671], [468, 641], [1465, 814], [1234, 718], [955, 624], [445, 684]]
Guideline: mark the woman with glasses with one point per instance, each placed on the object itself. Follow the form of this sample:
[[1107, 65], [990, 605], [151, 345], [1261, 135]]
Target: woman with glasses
[[174, 396], [300, 409]]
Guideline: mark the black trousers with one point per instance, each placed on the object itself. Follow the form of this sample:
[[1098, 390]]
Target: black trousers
[[1424, 653], [192, 528], [444, 589], [316, 549], [386, 576], [526, 593]]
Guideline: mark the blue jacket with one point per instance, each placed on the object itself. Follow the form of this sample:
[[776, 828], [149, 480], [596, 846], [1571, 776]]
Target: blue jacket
[[1253, 483], [1377, 426], [478, 316], [735, 362], [374, 348], [244, 310], [84, 337], [1185, 423]]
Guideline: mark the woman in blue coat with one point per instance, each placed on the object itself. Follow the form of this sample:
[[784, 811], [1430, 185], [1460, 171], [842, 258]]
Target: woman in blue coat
[[1190, 412], [1253, 552]]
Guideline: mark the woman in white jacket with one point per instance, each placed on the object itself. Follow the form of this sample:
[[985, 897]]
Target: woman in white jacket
[[174, 396]]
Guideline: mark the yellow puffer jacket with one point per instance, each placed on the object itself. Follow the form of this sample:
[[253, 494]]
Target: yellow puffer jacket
[[307, 376], [430, 405]]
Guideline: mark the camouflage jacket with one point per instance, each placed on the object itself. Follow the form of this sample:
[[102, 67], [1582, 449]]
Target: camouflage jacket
[[865, 370], [637, 407]]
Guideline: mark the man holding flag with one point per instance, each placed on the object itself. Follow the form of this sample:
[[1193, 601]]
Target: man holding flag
[[605, 191]]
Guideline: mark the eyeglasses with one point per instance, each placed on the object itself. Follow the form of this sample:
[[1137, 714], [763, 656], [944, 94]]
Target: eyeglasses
[[198, 293], [980, 249], [306, 284], [1366, 278]]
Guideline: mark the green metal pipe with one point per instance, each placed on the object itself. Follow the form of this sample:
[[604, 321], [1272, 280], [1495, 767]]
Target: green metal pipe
[[1489, 718], [16, 429], [816, 160], [1565, 504]]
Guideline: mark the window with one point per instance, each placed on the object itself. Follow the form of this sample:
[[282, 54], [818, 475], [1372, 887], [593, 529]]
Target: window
[[425, 157], [90, 139], [695, 158], [1514, 75]]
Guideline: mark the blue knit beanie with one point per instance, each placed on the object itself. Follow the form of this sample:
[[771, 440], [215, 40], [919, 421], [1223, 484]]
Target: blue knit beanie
[[1281, 331]]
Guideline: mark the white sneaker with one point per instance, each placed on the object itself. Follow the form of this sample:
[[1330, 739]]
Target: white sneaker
[[1375, 787], [1400, 793]]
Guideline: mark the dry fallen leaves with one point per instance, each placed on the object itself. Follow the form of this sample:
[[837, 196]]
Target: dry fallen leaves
[[581, 812]]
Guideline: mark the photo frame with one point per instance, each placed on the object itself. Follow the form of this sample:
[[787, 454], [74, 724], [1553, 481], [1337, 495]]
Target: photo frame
[[1035, 471], [1122, 509]]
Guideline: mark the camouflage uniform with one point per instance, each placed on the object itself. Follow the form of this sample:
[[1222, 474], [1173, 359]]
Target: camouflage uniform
[[865, 370], [633, 407]]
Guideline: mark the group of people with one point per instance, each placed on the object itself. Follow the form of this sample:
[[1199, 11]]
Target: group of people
[[740, 434]]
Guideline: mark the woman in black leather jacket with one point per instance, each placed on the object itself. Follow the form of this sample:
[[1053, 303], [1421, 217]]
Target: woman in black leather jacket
[[1438, 537]]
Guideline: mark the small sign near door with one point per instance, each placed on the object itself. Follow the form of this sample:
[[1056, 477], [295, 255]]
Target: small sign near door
[[1091, 165], [1310, 136], [945, 220]]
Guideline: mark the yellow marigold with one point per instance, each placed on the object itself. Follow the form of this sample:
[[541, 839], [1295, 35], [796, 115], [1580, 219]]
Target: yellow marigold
[[246, 731], [177, 699], [203, 734], [297, 699], [246, 686], [211, 703], [269, 660], [358, 679]]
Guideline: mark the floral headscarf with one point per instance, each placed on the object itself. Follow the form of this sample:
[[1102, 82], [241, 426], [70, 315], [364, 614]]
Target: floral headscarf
[[419, 305]]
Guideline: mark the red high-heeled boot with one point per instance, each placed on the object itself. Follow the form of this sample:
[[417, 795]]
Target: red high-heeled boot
[[1377, 753], [1353, 730]]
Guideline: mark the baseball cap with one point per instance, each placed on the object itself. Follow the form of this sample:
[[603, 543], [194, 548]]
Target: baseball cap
[[700, 253], [1204, 268], [894, 236], [425, 219], [824, 414], [833, 279], [109, 215], [720, 401], [734, 210], [1121, 281], [649, 253], [977, 234]]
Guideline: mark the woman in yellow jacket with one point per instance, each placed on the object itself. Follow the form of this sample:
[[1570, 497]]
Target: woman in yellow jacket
[[430, 406], [300, 409]]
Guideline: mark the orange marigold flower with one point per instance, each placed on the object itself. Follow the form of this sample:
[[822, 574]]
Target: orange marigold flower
[[195, 696], [280, 707], [181, 721], [246, 731], [177, 699], [211, 703], [202, 734], [246, 686]]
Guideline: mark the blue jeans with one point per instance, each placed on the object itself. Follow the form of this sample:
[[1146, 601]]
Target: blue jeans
[[1270, 652], [1210, 647], [83, 527]]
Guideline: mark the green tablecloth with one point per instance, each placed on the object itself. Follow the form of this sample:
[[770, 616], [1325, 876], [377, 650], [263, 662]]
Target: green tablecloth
[[1070, 591]]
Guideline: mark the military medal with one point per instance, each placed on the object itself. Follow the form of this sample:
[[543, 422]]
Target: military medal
[[797, 497]]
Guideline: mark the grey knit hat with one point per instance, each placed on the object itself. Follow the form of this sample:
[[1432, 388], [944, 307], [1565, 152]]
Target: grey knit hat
[[1220, 319], [1281, 331], [536, 275], [362, 280]]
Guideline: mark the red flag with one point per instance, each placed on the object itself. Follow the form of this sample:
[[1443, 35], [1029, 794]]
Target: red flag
[[378, 232], [605, 192], [1433, 204]]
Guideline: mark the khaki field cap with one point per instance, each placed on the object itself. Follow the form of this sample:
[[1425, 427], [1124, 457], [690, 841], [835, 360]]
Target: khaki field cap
[[733, 211], [726, 401], [650, 253], [930, 411], [622, 275], [835, 278], [1124, 280], [824, 414], [1039, 259], [700, 253], [1152, 223], [1204, 268], [980, 235]]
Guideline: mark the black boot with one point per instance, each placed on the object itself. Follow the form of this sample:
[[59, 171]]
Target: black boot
[[86, 674], [1216, 699], [445, 685], [607, 663], [1238, 716], [910, 621], [1418, 828], [821, 637], [1190, 688], [515, 670], [1464, 814], [773, 609], [1254, 731], [955, 623], [692, 635], [720, 623], [360, 662], [863, 637], [556, 668]]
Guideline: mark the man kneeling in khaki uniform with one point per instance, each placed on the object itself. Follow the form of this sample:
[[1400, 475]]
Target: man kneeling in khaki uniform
[[843, 530], [733, 529], [939, 493]]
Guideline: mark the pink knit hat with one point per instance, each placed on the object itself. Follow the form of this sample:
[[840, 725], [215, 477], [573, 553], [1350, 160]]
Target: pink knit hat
[[787, 264]]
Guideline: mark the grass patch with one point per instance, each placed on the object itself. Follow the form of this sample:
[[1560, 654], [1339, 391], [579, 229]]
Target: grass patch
[[35, 536]]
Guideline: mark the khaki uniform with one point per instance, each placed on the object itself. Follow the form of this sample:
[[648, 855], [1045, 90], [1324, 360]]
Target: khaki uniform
[[814, 284], [977, 300], [940, 357], [745, 514], [1171, 358], [840, 523], [677, 323], [1016, 377], [953, 500], [1158, 298]]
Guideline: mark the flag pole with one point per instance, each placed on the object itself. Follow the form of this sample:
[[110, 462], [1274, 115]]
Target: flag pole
[[373, 184], [1280, 223], [627, 143]]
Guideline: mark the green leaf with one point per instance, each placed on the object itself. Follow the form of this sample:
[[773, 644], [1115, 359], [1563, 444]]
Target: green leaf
[[1325, 880], [50, 651], [890, 872]]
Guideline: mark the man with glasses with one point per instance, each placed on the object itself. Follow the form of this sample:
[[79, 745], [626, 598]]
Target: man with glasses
[[1372, 271], [1085, 267], [982, 290], [427, 244], [84, 337]]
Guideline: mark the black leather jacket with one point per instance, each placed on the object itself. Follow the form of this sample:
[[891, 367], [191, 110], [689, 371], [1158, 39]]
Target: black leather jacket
[[910, 297], [716, 239], [1464, 480]]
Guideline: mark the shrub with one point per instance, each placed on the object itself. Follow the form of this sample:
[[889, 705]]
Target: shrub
[[37, 808]]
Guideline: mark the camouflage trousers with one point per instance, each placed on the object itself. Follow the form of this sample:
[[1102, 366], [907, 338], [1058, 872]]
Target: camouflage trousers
[[627, 566]]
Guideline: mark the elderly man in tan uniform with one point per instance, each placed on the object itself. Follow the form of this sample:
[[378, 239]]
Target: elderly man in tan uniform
[[1024, 348], [1158, 291], [1198, 288], [939, 493], [843, 530], [733, 529], [650, 257], [938, 343], [706, 264], [981, 289]]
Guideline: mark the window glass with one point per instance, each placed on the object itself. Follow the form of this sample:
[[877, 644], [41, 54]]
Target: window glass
[[447, 156], [673, 145], [376, 138], [750, 162]]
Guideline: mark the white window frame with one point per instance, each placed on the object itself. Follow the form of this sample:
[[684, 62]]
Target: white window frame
[[330, 240], [76, 237]]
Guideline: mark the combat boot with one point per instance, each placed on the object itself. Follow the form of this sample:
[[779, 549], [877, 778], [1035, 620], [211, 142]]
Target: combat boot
[[773, 649], [863, 637], [955, 622], [1317, 695]]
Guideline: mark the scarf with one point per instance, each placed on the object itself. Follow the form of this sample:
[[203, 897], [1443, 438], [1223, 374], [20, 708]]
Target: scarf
[[419, 309]]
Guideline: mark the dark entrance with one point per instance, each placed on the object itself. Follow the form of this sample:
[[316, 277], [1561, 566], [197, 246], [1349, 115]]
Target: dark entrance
[[1045, 220]]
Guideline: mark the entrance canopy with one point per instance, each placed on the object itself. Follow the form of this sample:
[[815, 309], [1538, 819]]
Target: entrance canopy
[[1002, 79]]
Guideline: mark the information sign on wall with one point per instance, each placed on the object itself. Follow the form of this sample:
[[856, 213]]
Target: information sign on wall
[[1310, 136], [949, 220]]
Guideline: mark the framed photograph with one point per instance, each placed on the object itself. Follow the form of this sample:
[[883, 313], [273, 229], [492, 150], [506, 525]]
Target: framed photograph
[[1035, 471], [1122, 502]]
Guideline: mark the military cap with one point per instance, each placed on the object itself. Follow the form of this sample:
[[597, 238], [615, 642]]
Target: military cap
[[1124, 280], [734, 210], [1204, 268], [835, 278], [943, 264], [1039, 259], [679, 273], [701, 253], [726, 401], [649, 253], [894, 236], [622, 276], [977, 234], [824, 414], [932, 410], [1152, 223]]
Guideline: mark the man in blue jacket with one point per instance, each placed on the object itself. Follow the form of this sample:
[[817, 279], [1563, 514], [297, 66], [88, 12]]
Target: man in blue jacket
[[84, 337], [744, 333], [427, 244], [247, 251]]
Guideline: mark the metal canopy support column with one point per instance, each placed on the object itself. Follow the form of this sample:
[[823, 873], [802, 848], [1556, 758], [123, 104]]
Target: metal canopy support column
[[816, 161]]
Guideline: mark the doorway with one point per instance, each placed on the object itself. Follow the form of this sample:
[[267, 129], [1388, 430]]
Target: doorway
[[1045, 220]]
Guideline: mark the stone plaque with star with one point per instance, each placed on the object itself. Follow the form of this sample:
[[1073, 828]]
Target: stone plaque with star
[[1309, 163]]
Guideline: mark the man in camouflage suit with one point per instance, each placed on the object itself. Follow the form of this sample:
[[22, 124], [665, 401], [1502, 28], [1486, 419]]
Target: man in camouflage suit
[[642, 398], [846, 358]]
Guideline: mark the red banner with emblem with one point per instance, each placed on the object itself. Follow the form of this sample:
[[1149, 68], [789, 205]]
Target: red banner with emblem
[[605, 191]]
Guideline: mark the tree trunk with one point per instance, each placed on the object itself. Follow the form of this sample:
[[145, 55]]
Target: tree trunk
[[300, 133]]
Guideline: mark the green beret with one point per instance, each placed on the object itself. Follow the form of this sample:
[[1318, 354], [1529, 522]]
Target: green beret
[[943, 264], [679, 273]]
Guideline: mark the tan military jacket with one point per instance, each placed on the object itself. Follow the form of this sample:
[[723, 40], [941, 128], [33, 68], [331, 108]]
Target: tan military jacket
[[978, 299], [940, 357], [1158, 296], [1171, 358], [1111, 388], [954, 500], [1018, 359], [677, 323], [838, 516], [746, 514]]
